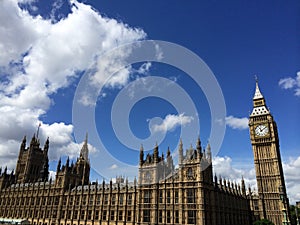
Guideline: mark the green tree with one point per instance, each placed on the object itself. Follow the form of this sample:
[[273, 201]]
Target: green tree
[[263, 222], [293, 214]]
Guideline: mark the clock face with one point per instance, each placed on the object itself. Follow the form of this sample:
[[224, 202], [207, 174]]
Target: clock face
[[261, 130]]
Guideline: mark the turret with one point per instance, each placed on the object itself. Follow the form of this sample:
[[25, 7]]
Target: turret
[[155, 153], [46, 147], [33, 140], [168, 152], [208, 153], [23, 145], [141, 155], [243, 187], [58, 165], [84, 152], [199, 149], [180, 152], [216, 180], [169, 159], [67, 163]]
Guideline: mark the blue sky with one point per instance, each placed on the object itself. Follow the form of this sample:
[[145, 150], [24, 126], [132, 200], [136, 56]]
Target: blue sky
[[49, 46]]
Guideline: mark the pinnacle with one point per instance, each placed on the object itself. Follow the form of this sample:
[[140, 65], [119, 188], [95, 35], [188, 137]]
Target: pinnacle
[[257, 93]]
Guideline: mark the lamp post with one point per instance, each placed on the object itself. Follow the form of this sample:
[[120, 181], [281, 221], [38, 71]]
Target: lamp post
[[285, 220]]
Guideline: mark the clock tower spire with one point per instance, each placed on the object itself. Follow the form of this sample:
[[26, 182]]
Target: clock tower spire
[[267, 162], [259, 103]]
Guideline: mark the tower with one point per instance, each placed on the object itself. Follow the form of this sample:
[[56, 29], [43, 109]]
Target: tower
[[267, 161], [33, 163], [69, 176]]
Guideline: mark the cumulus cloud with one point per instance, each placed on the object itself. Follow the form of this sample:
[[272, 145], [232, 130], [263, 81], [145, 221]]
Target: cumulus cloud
[[144, 68], [114, 166], [291, 83], [40, 56], [52, 175], [171, 122], [223, 167], [292, 176], [237, 123]]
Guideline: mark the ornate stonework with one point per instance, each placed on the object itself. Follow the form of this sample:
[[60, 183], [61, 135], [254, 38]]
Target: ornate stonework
[[267, 161], [162, 193]]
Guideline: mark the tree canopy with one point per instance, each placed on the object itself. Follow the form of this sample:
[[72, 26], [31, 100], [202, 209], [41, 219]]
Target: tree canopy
[[263, 222]]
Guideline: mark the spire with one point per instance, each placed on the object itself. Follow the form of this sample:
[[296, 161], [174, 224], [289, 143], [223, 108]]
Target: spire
[[198, 144], [168, 152], [259, 104], [220, 181], [46, 146], [257, 94], [208, 152], [23, 145], [156, 153], [68, 162], [141, 154], [199, 149], [58, 165], [216, 179], [38, 130], [84, 152], [180, 152], [243, 186], [33, 140]]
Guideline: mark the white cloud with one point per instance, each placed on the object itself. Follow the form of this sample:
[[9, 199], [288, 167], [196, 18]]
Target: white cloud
[[237, 123], [223, 167], [159, 53], [52, 175], [114, 166], [174, 78], [19, 31], [144, 68], [55, 7], [39, 57], [292, 176], [171, 122], [291, 83], [287, 83]]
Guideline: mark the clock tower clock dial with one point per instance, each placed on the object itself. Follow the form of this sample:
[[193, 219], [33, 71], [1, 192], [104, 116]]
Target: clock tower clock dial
[[267, 160], [261, 130]]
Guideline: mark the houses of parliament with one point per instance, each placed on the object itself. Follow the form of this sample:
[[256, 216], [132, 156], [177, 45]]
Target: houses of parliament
[[162, 194]]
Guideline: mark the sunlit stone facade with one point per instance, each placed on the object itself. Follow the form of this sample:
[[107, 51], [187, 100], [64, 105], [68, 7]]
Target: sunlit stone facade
[[163, 193]]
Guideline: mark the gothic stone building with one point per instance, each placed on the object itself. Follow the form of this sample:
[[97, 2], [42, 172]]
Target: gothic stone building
[[162, 194], [273, 201]]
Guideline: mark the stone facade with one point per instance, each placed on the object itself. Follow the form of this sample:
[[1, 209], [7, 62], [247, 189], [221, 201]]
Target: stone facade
[[273, 201], [162, 194]]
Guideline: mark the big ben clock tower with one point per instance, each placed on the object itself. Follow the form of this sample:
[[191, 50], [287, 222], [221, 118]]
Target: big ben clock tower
[[267, 162]]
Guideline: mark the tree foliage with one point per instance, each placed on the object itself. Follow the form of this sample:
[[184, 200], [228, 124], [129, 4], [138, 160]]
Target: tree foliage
[[293, 214], [263, 222]]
